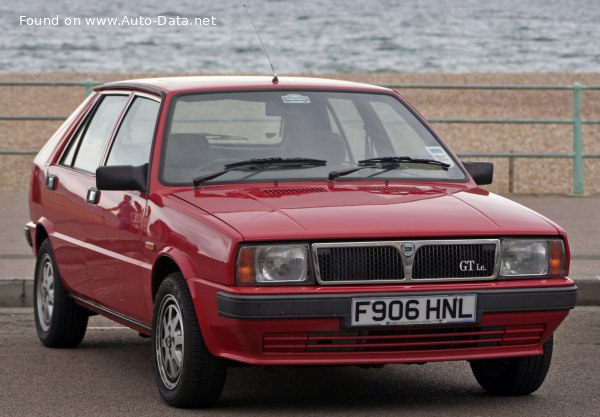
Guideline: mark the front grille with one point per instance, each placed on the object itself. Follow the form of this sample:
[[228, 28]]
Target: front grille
[[365, 263], [405, 261], [404, 340], [454, 261]]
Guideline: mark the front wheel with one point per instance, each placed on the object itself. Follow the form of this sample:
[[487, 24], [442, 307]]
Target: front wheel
[[514, 376], [187, 374]]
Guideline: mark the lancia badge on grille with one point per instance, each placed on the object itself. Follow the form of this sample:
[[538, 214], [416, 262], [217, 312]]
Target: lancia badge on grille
[[408, 249]]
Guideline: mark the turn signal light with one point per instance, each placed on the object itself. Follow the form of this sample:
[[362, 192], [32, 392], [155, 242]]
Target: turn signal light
[[245, 266], [558, 258]]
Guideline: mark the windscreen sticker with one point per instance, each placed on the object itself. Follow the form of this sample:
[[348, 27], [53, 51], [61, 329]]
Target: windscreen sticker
[[439, 154], [295, 99]]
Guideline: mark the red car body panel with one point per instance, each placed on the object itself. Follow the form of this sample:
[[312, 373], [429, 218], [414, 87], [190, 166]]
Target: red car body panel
[[103, 258], [242, 340], [332, 212]]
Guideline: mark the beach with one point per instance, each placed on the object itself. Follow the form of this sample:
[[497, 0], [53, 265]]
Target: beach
[[530, 176]]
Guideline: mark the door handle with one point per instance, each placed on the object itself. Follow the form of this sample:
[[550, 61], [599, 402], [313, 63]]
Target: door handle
[[93, 196], [51, 182]]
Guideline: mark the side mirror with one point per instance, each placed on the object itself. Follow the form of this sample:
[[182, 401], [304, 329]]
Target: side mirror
[[482, 172], [122, 177]]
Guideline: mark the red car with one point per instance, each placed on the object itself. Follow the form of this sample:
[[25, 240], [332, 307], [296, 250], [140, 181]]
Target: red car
[[295, 221]]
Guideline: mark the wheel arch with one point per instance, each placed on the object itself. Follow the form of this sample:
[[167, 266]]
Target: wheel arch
[[163, 266], [168, 262], [40, 235], [43, 230]]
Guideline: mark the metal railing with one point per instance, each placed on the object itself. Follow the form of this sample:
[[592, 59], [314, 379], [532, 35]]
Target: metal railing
[[576, 121]]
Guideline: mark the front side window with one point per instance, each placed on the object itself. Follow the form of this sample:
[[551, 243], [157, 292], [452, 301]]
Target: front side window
[[133, 141], [86, 146], [209, 131]]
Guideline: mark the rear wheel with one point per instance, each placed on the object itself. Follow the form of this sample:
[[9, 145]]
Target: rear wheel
[[59, 321], [514, 376], [187, 374]]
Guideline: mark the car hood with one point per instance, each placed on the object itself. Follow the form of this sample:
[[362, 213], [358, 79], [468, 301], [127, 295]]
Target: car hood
[[346, 211]]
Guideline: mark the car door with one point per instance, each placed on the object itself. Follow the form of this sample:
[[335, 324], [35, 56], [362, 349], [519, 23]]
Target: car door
[[116, 266], [67, 187]]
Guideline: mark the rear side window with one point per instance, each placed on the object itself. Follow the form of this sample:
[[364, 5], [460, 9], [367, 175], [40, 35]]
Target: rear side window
[[85, 150], [133, 141]]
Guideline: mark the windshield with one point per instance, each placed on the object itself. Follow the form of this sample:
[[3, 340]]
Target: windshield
[[209, 131]]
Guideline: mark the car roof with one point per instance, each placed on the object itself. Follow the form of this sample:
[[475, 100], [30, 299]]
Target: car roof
[[211, 83]]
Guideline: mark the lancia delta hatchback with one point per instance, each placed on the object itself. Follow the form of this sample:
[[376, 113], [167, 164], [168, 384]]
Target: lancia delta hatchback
[[298, 222]]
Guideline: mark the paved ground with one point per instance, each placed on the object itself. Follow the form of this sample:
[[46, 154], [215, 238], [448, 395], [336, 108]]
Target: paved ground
[[111, 374], [580, 216]]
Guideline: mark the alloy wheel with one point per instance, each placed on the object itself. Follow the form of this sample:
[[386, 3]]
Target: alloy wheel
[[169, 341], [45, 292]]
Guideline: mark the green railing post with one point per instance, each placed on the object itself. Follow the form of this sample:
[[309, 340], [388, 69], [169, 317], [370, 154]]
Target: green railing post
[[89, 86], [511, 172], [578, 179]]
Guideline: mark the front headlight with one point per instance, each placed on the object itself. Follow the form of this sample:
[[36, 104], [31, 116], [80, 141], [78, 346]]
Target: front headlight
[[533, 257], [273, 264]]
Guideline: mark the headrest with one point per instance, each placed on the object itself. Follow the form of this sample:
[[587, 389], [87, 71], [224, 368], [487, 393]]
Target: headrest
[[186, 152]]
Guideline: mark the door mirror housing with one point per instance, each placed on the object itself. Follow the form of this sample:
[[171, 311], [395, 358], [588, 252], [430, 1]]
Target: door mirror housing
[[482, 172], [122, 178]]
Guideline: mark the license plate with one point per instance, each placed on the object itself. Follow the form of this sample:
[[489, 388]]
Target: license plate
[[394, 311]]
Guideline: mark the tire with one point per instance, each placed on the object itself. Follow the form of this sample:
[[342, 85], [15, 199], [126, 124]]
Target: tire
[[187, 374], [59, 321], [515, 376]]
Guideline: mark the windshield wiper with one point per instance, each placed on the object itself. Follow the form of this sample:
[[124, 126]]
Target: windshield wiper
[[385, 160], [276, 162], [262, 164], [387, 163]]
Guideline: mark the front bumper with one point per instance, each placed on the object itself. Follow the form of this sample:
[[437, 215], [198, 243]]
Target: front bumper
[[253, 307], [313, 328]]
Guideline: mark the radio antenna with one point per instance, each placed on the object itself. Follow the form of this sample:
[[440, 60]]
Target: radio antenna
[[275, 79]]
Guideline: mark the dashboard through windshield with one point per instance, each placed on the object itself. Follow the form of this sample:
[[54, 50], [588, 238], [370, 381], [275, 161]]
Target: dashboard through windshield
[[209, 131]]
